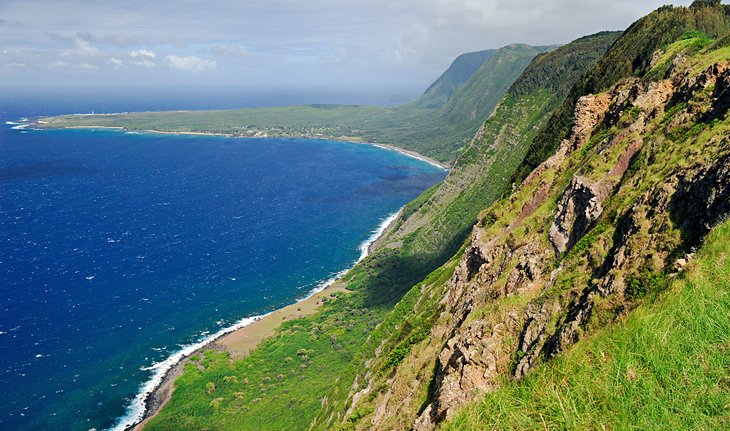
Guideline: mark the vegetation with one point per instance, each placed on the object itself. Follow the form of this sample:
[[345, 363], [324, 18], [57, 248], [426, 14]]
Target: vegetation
[[436, 229], [463, 68], [665, 366], [284, 374], [402, 329]]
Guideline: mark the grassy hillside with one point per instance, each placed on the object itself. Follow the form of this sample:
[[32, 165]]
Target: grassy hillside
[[468, 101], [458, 73], [432, 131], [434, 226], [665, 366], [596, 231]]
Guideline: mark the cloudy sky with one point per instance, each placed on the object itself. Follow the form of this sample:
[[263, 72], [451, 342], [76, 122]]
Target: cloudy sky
[[336, 43]]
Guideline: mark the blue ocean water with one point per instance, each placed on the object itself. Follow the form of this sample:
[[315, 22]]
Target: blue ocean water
[[117, 249]]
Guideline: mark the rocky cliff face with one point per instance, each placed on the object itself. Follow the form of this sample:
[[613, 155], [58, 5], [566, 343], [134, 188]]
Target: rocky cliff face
[[677, 190], [641, 178]]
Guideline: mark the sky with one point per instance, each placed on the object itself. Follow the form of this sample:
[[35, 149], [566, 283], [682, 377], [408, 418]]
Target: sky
[[398, 44]]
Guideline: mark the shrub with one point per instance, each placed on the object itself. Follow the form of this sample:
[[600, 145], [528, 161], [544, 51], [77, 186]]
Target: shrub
[[650, 282]]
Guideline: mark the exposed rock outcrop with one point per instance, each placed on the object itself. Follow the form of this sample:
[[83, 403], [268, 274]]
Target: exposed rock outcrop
[[579, 207], [469, 363]]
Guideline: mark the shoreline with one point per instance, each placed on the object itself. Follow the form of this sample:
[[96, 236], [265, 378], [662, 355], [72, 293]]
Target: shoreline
[[238, 339], [408, 153]]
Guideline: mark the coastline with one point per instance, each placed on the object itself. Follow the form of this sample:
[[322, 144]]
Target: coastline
[[413, 154], [390, 147], [238, 339]]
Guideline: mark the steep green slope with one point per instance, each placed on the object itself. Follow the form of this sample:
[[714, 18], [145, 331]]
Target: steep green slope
[[469, 101], [458, 73], [435, 227], [429, 131], [452, 126], [665, 366], [596, 230]]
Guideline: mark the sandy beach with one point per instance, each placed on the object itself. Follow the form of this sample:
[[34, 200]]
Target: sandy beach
[[242, 341], [238, 343]]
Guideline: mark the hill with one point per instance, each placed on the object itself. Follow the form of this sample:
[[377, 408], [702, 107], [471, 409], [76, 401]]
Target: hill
[[458, 73]]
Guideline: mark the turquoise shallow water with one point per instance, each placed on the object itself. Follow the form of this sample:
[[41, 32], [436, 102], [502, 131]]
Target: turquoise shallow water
[[117, 249]]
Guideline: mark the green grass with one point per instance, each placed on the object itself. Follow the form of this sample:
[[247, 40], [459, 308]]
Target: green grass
[[405, 326], [462, 68], [666, 366]]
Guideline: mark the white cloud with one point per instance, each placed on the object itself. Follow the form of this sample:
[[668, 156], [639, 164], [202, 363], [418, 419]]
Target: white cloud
[[117, 63], [190, 63], [82, 48], [58, 64], [142, 53], [143, 58]]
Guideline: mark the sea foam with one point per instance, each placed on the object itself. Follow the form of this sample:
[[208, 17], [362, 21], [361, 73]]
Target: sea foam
[[136, 409]]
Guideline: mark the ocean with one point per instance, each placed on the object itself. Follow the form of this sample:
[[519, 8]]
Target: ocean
[[118, 250]]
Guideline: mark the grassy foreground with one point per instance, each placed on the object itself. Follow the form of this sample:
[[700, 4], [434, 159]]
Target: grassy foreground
[[664, 367], [278, 381]]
